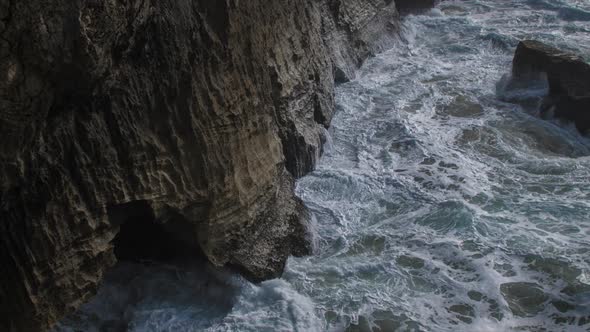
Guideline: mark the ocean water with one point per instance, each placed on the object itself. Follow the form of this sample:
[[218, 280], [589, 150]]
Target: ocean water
[[443, 201]]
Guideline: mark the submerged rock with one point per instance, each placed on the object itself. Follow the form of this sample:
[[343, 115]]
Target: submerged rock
[[524, 298], [568, 76], [193, 116]]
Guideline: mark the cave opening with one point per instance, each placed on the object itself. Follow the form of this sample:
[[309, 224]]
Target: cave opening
[[142, 237], [160, 265]]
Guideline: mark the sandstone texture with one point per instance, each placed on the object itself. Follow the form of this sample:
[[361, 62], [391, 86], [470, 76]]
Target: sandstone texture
[[568, 76], [197, 115]]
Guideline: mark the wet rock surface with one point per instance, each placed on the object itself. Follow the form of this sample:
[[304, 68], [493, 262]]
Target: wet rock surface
[[196, 114], [568, 76], [524, 298]]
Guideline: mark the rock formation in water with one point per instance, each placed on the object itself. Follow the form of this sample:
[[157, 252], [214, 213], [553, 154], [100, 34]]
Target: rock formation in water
[[568, 76], [411, 6], [183, 122]]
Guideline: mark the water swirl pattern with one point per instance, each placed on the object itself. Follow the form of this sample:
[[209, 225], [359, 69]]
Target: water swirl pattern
[[442, 203]]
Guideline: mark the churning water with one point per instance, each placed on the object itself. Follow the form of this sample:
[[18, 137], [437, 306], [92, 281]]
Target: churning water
[[443, 201]]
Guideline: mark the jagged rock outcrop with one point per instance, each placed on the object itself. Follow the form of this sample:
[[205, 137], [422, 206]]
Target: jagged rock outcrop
[[196, 115], [411, 6], [568, 76]]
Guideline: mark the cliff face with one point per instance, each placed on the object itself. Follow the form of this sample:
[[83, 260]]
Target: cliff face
[[199, 114]]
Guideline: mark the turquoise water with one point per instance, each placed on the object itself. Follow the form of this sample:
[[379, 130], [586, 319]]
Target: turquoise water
[[443, 201]]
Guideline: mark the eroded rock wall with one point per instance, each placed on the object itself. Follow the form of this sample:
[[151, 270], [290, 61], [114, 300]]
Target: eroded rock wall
[[198, 113]]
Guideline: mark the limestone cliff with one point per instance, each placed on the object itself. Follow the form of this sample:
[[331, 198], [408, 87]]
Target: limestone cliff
[[196, 114]]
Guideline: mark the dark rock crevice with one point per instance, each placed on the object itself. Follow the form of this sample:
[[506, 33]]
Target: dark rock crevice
[[142, 237]]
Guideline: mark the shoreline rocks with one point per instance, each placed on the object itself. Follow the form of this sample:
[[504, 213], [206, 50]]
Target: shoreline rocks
[[406, 7], [568, 76]]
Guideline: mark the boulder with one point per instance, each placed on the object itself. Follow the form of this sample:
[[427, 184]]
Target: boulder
[[406, 7], [568, 77]]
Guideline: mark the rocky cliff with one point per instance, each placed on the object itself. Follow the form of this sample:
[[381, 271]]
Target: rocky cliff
[[194, 116]]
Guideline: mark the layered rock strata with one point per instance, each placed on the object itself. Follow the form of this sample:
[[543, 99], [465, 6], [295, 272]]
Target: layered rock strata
[[568, 76], [196, 115]]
